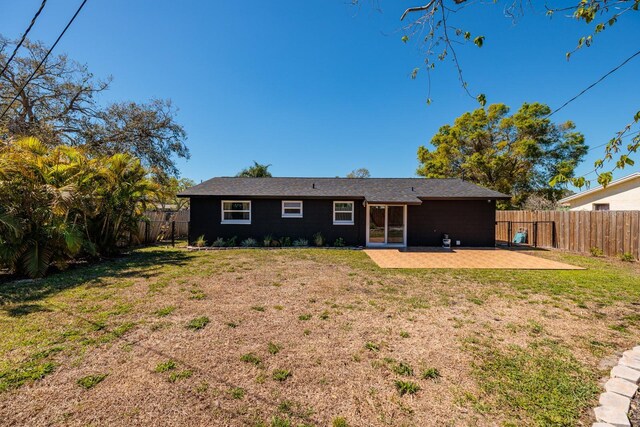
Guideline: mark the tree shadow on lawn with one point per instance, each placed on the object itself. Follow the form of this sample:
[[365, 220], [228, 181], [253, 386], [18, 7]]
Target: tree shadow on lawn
[[145, 264]]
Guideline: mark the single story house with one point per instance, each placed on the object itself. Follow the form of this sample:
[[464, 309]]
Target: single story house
[[361, 211], [620, 195]]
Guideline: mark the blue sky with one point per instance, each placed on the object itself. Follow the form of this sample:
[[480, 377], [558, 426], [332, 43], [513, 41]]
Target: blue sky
[[318, 87]]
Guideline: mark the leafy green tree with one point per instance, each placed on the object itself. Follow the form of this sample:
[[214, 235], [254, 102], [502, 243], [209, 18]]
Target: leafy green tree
[[515, 154], [359, 173], [166, 196], [256, 171], [60, 107]]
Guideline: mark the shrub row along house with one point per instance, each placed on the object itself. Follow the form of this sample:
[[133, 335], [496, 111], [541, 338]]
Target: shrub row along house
[[361, 212]]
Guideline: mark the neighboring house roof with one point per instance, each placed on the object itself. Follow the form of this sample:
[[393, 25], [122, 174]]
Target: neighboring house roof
[[374, 190], [614, 183]]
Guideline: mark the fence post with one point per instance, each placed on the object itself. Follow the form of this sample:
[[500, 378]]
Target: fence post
[[509, 233], [146, 232], [173, 233], [535, 234]]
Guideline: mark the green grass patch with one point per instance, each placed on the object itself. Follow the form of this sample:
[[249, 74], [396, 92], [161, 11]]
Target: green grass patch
[[236, 392], [281, 374], [251, 358], [169, 365], [304, 317], [542, 384], [91, 381], [406, 387], [402, 368], [176, 376], [273, 348], [27, 372], [430, 374], [165, 311], [198, 323]]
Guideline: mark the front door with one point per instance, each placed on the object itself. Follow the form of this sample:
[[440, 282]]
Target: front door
[[386, 225]]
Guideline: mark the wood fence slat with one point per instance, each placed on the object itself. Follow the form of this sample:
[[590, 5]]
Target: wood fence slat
[[614, 232]]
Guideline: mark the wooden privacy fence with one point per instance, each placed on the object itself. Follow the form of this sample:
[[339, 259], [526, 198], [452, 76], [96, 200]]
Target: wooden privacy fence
[[163, 227], [613, 232]]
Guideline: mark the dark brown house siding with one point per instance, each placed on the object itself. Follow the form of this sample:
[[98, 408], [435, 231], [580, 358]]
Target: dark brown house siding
[[266, 219], [470, 221]]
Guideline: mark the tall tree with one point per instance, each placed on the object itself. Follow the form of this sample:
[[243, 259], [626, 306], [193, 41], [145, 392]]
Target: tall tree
[[359, 173], [515, 154], [256, 171], [60, 107], [166, 197]]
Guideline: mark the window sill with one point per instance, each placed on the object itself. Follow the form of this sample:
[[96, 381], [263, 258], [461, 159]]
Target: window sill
[[344, 223], [236, 222], [291, 216]]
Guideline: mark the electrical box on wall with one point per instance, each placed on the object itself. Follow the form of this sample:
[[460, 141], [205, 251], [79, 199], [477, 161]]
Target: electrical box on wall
[[457, 242]]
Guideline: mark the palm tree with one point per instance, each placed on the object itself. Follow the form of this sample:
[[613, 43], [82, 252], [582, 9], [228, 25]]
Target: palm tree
[[255, 171]]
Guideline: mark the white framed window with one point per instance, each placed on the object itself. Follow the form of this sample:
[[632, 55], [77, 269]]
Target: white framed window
[[292, 209], [236, 212], [342, 213]]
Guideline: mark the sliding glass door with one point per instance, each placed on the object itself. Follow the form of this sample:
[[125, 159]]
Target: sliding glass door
[[386, 225]]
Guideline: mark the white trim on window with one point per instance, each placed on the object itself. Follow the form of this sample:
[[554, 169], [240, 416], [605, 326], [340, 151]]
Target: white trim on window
[[293, 205], [343, 221], [230, 210]]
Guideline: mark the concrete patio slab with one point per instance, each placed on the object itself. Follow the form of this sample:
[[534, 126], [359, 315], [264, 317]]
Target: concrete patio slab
[[461, 258]]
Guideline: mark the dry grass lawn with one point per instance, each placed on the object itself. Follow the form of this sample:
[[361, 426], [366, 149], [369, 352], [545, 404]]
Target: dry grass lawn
[[306, 337]]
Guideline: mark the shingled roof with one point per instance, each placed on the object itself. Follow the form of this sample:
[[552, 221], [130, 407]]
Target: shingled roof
[[373, 190]]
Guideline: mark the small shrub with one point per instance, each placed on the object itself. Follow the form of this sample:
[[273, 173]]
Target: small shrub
[[281, 374], [273, 348], [175, 376], [318, 239], [251, 358], [407, 387], [257, 308], [169, 365], [249, 243], [218, 243], [165, 311], [627, 257], [200, 242], [198, 323], [339, 242], [268, 240], [275, 243], [404, 334], [232, 242], [300, 243], [403, 369], [91, 381], [307, 332], [232, 325], [340, 422], [237, 392], [430, 374], [324, 315], [285, 241], [596, 252], [372, 346], [304, 317]]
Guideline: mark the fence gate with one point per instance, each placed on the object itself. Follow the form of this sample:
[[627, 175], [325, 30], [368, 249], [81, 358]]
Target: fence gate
[[164, 227]]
